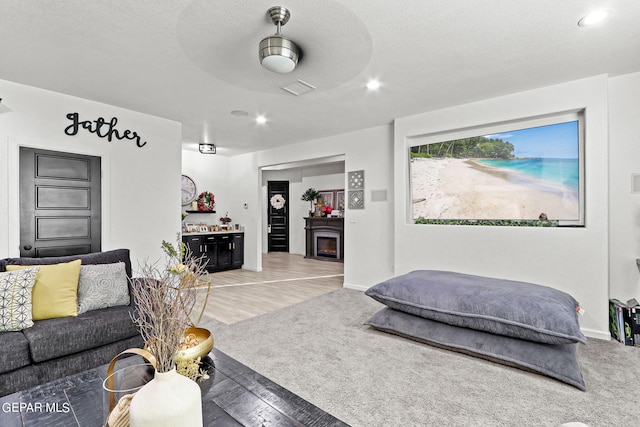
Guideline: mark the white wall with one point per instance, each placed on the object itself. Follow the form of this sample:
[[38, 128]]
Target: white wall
[[244, 178], [574, 260], [584, 262], [210, 172], [141, 190], [368, 232], [140, 186], [624, 206]]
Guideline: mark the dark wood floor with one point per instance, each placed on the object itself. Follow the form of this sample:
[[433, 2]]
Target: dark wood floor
[[234, 395]]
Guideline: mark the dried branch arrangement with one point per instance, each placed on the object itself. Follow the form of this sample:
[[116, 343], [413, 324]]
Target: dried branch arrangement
[[165, 298]]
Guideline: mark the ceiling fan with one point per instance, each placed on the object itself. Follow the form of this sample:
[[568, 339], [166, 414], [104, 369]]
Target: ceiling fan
[[278, 53]]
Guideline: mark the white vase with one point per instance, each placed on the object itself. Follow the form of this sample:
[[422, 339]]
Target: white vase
[[169, 399]]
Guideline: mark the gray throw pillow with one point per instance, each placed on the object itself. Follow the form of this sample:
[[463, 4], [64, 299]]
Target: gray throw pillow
[[554, 360], [15, 299], [102, 286], [503, 307]]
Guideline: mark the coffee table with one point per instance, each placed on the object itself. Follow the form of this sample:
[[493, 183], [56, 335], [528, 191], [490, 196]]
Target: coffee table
[[234, 395]]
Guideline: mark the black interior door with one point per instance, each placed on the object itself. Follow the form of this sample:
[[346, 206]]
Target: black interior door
[[60, 203], [278, 216]]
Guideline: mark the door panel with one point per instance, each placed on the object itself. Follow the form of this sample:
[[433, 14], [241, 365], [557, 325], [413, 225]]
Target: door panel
[[62, 228], [224, 251], [278, 219], [60, 203], [237, 254], [61, 166], [61, 251], [62, 198]]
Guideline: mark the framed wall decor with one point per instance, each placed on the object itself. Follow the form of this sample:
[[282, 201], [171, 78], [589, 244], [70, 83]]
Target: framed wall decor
[[356, 180], [520, 172], [340, 200], [326, 197], [333, 198], [356, 199]]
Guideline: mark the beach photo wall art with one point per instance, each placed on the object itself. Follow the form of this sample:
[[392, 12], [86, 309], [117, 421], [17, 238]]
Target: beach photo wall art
[[522, 174]]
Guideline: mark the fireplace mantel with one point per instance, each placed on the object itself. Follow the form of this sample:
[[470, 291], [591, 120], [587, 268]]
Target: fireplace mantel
[[323, 225]]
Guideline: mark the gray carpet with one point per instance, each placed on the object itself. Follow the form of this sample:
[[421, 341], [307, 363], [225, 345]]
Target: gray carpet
[[321, 350]]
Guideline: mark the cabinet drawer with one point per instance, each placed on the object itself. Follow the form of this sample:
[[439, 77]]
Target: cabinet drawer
[[216, 238]]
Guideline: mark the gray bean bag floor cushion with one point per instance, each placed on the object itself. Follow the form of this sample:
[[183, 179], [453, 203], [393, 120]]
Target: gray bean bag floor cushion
[[520, 324]]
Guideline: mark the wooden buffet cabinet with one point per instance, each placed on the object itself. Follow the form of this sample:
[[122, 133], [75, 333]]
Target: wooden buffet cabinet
[[222, 250]]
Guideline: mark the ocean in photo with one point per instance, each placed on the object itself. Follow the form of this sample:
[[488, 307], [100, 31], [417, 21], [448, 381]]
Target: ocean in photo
[[559, 174]]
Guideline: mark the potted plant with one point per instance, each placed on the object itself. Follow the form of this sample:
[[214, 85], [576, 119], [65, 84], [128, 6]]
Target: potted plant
[[168, 305], [225, 220], [311, 195]]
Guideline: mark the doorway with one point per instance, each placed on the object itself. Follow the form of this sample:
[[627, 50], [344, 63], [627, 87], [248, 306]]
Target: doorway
[[278, 216], [320, 173], [60, 203]]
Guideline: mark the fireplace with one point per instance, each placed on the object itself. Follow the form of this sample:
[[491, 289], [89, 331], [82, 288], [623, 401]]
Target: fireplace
[[327, 244], [324, 238]]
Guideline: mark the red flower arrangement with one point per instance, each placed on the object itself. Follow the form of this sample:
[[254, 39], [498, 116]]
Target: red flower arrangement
[[225, 219], [327, 209], [206, 201]]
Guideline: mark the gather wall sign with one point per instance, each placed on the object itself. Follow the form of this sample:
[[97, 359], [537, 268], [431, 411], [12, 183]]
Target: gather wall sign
[[102, 128]]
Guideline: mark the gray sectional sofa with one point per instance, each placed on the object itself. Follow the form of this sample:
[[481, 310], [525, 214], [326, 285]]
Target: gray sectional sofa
[[55, 348]]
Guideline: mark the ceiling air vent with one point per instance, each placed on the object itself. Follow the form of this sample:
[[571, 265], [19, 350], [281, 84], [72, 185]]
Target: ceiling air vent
[[299, 87]]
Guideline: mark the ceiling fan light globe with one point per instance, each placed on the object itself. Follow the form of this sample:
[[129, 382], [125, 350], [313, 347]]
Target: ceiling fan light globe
[[278, 54]]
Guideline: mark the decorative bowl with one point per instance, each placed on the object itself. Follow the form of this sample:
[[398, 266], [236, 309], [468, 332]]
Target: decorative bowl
[[205, 343]]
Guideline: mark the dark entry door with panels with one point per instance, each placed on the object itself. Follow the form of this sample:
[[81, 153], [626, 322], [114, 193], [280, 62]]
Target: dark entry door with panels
[[278, 216], [60, 203]]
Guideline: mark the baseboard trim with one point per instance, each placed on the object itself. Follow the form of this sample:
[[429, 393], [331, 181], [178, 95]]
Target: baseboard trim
[[600, 335], [355, 287]]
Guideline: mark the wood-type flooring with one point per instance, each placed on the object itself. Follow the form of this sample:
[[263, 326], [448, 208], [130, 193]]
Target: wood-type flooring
[[233, 396], [285, 279]]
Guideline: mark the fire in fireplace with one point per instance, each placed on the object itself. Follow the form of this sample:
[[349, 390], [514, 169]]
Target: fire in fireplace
[[327, 244]]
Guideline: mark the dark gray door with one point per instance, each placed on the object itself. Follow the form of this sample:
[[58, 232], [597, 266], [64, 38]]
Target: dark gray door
[[60, 199], [278, 217]]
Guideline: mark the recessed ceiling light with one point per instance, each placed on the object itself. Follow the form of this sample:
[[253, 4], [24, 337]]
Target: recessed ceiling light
[[261, 119], [239, 113], [373, 84], [595, 17]]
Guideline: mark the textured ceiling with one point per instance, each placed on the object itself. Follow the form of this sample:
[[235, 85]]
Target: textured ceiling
[[196, 61]]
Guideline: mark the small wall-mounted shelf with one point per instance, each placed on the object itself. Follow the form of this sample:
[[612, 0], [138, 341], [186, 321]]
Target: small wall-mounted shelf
[[207, 212]]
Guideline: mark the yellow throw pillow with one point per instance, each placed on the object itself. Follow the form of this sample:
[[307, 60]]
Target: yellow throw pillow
[[55, 293]]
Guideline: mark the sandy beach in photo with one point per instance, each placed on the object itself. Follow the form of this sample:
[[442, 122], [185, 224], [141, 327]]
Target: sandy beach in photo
[[448, 188]]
